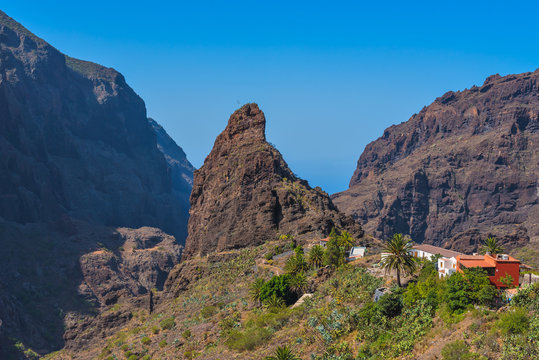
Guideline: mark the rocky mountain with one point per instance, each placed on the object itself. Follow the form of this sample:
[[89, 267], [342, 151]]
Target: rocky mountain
[[245, 194], [464, 167], [75, 140], [81, 167]]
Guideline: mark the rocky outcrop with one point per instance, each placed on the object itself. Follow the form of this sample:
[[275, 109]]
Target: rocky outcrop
[[81, 165], [465, 167], [245, 194], [75, 140]]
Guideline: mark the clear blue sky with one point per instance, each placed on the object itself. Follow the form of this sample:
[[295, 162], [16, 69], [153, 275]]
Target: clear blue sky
[[330, 76]]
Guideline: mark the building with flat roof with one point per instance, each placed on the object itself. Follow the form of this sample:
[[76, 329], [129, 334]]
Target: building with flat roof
[[497, 267]]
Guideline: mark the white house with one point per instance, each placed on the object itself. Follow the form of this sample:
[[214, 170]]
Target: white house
[[446, 266], [447, 263], [356, 252]]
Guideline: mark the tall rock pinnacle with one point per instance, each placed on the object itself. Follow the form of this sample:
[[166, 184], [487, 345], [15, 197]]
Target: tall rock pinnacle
[[245, 193]]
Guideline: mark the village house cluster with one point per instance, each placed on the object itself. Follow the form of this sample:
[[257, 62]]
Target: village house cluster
[[498, 267]]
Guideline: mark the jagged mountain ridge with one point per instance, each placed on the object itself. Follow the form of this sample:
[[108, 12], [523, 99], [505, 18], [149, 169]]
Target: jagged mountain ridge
[[464, 167], [245, 194], [80, 166], [75, 140]]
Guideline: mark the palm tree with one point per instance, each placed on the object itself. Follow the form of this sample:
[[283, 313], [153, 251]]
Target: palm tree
[[298, 283], [346, 240], [283, 353], [398, 256], [296, 263], [255, 290], [316, 256], [491, 246], [274, 302]]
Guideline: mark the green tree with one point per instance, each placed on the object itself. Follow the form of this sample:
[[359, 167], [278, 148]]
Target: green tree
[[316, 256], [255, 291], [283, 353], [398, 256], [334, 255], [280, 287], [491, 247]]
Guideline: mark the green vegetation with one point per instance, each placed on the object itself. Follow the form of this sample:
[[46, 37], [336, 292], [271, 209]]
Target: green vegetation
[[283, 353], [168, 323], [278, 286], [220, 315], [491, 246], [398, 256], [316, 256], [459, 350]]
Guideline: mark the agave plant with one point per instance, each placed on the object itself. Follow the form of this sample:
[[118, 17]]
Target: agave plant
[[282, 353], [398, 256]]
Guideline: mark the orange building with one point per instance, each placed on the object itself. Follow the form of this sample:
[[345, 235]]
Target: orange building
[[497, 266]]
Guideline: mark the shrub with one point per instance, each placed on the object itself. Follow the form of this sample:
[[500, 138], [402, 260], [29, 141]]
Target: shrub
[[186, 334], [146, 340], [458, 350], [168, 323], [208, 311], [162, 343], [278, 286], [514, 322], [155, 330], [248, 339], [390, 305]]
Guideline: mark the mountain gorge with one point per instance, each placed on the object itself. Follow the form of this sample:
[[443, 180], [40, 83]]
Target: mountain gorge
[[463, 168], [113, 246]]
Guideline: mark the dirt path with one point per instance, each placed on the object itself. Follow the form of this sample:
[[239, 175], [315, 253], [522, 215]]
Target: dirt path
[[273, 269]]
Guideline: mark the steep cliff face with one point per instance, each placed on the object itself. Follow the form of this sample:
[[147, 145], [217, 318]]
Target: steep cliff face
[[75, 140], [245, 194], [80, 165], [465, 167]]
